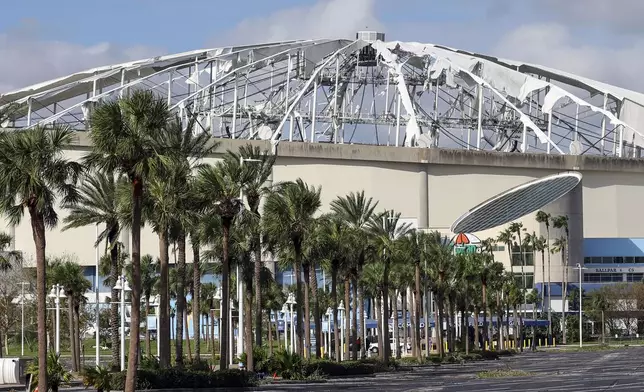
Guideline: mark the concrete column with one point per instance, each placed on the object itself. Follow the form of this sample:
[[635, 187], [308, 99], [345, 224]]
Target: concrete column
[[423, 200], [125, 239], [571, 205]]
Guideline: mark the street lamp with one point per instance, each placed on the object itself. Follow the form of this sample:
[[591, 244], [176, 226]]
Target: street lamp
[[329, 314], [57, 293], [22, 318], [98, 310], [341, 309], [123, 286], [580, 268], [285, 312], [290, 301], [217, 297]]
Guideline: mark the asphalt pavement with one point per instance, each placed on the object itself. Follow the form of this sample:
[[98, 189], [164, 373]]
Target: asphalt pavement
[[618, 370]]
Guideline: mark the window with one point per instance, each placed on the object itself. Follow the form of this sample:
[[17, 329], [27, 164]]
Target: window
[[614, 260], [528, 256], [529, 279], [634, 277], [498, 248], [604, 278]]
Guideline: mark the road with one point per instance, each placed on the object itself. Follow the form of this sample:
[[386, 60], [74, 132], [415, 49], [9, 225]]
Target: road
[[619, 370]]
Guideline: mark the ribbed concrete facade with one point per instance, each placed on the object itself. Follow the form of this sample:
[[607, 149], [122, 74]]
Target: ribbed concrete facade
[[432, 186]]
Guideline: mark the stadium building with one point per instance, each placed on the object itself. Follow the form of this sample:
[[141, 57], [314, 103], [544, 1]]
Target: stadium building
[[427, 130]]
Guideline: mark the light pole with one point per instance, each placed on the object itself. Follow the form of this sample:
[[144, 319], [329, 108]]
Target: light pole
[[580, 268], [290, 301], [22, 318], [57, 293], [123, 286], [329, 315], [231, 336], [217, 297], [285, 312], [156, 300], [98, 311], [342, 327]]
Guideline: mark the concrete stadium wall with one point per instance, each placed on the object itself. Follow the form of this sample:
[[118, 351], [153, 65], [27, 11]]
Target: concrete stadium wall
[[432, 186]]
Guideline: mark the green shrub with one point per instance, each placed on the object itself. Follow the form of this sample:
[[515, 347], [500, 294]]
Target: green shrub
[[199, 365], [149, 362], [98, 378], [177, 378]]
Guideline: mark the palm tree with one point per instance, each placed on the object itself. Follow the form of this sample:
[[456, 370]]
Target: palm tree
[[34, 175], [440, 271], [288, 220], [545, 218], [98, 204], [385, 230], [541, 245], [560, 246], [357, 210], [254, 190], [70, 275], [124, 135], [222, 184], [334, 241]]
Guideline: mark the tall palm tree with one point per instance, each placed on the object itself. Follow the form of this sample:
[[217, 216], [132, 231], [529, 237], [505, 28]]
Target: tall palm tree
[[187, 150], [124, 135], [541, 245], [97, 204], [70, 275], [561, 223], [222, 184], [545, 219], [261, 170], [440, 272], [35, 175], [334, 242], [288, 220], [385, 230], [357, 210], [560, 245]]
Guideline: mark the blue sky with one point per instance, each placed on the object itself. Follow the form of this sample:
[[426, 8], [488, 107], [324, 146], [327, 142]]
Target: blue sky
[[42, 39]]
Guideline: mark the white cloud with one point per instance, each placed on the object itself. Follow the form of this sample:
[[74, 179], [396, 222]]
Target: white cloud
[[29, 58], [323, 19], [553, 45]]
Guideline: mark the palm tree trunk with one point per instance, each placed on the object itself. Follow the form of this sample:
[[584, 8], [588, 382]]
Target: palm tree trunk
[[543, 275], [385, 306], [403, 302], [38, 232], [499, 320], [258, 292], [476, 328], [79, 343], [485, 313], [163, 329], [334, 302], [361, 320], [465, 333], [564, 295], [135, 318], [299, 332], [196, 298], [248, 325], [270, 333], [603, 329], [306, 267], [181, 298], [225, 272], [549, 298], [189, 350], [72, 334], [347, 317], [148, 343], [417, 304], [379, 317], [316, 313], [354, 318], [439, 326], [394, 306]]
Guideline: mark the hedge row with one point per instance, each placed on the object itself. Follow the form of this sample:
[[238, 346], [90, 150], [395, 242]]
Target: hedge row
[[337, 369], [176, 378]]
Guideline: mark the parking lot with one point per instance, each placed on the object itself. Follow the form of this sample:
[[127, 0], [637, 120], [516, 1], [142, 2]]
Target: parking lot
[[616, 370]]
